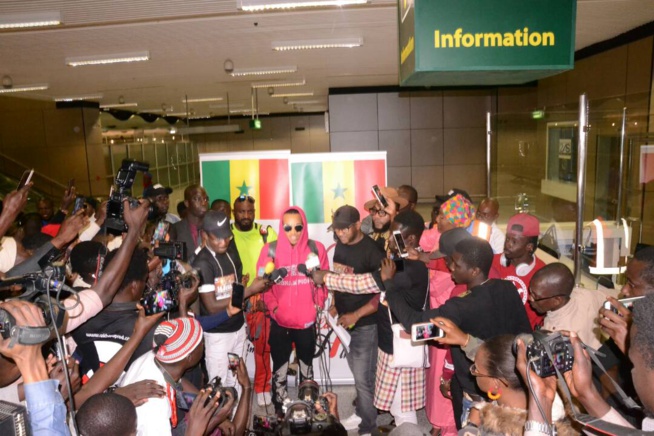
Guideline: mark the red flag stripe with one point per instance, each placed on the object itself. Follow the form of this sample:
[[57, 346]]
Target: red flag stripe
[[366, 174], [273, 188]]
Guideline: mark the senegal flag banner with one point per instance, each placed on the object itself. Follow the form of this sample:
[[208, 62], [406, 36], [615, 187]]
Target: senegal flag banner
[[321, 183], [261, 175]]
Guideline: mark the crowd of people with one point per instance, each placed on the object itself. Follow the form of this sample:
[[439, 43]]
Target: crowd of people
[[142, 332]]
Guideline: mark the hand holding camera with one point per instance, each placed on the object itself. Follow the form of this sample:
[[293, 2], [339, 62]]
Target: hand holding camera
[[615, 320]]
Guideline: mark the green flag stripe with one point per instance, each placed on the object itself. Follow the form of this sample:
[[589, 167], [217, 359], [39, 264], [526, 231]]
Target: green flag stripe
[[215, 179], [307, 189]]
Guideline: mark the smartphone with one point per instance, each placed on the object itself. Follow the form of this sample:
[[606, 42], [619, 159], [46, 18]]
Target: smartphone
[[399, 242], [425, 331], [79, 204], [379, 196], [238, 290], [382, 297], [25, 178], [233, 359], [626, 302]]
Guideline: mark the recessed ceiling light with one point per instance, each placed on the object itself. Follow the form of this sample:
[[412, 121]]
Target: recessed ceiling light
[[117, 58], [110, 106], [35, 19], [261, 5], [278, 84], [24, 88], [294, 94], [238, 72], [201, 100], [317, 43]]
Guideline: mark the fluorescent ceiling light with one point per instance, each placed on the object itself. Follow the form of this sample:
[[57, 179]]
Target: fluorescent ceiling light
[[201, 100], [247, 111], [226, 106], [110, 106], [294, 94], [117, 58], [261, 5], [79, 97], [262, 71], [301, 102], [317, 43], [24, 88], [35, 19], [177, 114], [278, 84]]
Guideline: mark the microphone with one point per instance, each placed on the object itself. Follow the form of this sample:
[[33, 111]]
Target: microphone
[[302, 269], [277, 275], [312, 263]]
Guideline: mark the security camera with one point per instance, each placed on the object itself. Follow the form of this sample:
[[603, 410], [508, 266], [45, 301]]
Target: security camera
[[228, 66]]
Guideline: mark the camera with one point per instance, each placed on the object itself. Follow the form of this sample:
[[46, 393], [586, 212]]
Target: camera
[[166, 297], [302, 416], [217, 388], [121, 191], [560, 347], [264, 425], [171, 250]]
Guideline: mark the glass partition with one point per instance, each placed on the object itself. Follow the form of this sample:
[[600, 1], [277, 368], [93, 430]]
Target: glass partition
[[534, 168]]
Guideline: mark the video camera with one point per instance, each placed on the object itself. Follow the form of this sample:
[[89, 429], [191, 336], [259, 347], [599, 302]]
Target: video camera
[[166, 297], [37, 286], [121, 191], [171, 250], [217, 388], [547, 350]]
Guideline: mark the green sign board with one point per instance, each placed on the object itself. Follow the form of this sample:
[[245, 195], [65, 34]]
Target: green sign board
[[484, 42]]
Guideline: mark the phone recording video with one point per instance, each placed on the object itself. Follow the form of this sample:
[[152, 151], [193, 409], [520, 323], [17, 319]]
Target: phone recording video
[[238, 291], [425, 331], [379, 196], [233, 361], [399, 243], [25, 178]]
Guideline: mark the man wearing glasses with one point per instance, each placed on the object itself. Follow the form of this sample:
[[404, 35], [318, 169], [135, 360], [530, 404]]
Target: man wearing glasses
[[552, 293], [383, 216], [356, 253], [250, 237]]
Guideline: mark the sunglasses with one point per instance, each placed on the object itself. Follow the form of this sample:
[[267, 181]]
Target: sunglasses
[[242, 198], [297, 228]]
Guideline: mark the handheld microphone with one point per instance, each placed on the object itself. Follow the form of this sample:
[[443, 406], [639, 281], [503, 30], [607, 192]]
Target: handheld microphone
[[312, 263], [302, 269], [278, 275]]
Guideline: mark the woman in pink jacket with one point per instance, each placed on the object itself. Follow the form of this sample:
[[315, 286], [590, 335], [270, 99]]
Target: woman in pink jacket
[[294, 302]]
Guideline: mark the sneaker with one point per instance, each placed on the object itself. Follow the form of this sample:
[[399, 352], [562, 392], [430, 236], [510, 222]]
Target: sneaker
[[351, 423], [267, 399], [261, 400], [366, 434]]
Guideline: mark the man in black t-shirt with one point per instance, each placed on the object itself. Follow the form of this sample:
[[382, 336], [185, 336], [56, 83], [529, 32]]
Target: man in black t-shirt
[[100, 338], [488, 308], [356, 253], [220, 267]]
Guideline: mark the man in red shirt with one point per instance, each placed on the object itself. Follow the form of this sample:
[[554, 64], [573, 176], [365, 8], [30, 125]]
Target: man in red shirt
[[518, 263]]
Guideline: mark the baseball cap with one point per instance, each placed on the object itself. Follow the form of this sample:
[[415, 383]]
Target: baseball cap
[[175, 339], [154, 190], [389, 194], [451, 193], [217, 223], [345, 216], [524, 223], [448, 241]]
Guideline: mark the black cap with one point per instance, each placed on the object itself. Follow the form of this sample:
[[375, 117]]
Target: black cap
[[451, 193], [217, 223], [345, 216], [154, 190], [448, 241]]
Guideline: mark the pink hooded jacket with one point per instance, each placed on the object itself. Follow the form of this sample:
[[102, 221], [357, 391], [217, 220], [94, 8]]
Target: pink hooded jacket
[[292, 303]]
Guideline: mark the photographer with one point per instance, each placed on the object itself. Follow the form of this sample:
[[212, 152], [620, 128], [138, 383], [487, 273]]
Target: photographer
[[44, 402]]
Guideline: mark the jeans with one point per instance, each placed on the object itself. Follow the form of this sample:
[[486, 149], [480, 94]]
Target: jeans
[[362, 360], [216, 347]]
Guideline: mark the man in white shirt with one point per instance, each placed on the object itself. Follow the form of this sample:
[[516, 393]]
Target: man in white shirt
[[488, 212], [552, 292]]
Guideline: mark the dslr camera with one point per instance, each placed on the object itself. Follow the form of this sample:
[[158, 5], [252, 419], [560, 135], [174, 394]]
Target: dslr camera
[[171, 250], [302, 416], [121, 191], [217, 388], [166, 297], [560, 349]]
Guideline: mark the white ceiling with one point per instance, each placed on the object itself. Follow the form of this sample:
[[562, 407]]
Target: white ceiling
[[189, 40]]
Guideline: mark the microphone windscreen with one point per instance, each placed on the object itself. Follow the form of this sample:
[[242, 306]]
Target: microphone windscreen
[[270, 267], [283, 272], [302, 268]]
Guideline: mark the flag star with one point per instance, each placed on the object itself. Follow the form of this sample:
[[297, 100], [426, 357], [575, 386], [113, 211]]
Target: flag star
[[339, 191], [244, 189]]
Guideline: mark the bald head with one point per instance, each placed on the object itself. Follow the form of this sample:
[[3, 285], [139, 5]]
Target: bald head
[[409, 193], [488, 210], [553, 279]]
